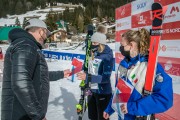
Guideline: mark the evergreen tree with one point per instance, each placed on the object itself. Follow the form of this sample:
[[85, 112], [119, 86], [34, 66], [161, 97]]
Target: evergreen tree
[[24, 23], [42, 3], [18, 8], [66, 14], [17, 22], [99, 12], [93, 8], [60, 16], [87, 16], [71, 18], [28, 5], [51, 21], [75, 22], [80, 23], [11, 7]]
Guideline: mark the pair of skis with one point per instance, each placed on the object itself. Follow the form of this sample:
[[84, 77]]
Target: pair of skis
[[155, 33], [157, 13], [85, 87]]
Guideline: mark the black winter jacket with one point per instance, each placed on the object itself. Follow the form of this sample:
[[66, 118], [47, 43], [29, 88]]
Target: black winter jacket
[[25, 88]]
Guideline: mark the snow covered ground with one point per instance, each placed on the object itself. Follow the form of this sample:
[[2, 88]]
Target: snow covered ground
[[64, 95], [10, 20]]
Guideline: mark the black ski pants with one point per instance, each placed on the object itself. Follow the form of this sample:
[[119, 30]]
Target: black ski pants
[[97, 103]]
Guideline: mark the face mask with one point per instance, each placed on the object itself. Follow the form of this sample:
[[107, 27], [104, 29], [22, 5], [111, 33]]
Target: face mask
[[44, 39], [123, 52], [94, 48]]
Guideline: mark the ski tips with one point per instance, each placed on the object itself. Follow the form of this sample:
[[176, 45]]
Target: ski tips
[[157, 11], [156, 6]]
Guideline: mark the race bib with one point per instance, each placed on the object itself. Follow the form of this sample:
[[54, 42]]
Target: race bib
[[93, 66]]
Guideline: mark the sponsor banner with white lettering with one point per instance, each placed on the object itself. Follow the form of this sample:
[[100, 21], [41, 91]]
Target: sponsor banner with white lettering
[[172, 13], [170, 65], [141, 19], [62, 56], [171, 31], [123, 11], [170, 48], [123, 24]]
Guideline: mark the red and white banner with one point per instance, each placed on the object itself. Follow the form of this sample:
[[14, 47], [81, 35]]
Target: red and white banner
[[170, 48], [137, 15], [124, 11], [171, 31], [124, 23], [141, 19], [170, 65]]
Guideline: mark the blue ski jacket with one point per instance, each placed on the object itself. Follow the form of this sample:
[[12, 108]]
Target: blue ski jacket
[[104, 71], [159, 101]]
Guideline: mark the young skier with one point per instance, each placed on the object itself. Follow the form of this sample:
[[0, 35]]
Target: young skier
[[100, 68], [132, 69]]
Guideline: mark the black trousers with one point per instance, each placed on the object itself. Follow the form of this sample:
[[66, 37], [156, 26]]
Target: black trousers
[[97, 103]]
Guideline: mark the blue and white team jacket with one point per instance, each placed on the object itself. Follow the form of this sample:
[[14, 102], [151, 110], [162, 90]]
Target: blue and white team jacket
[[159, 101], [103, 73]]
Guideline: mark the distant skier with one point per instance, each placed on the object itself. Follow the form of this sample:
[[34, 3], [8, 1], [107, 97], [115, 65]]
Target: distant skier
[[102, 29], [134, 47]]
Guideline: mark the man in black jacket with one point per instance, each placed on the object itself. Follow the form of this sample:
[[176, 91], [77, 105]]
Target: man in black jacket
[[25, 88]]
